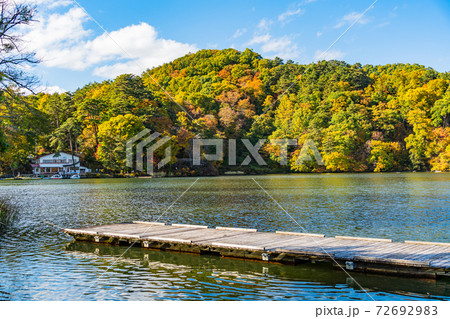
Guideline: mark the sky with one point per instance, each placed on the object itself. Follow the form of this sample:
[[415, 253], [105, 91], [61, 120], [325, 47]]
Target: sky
[[95, 40]]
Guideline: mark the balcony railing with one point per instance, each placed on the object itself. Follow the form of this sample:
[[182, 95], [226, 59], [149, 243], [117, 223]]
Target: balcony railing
[[56, 161]]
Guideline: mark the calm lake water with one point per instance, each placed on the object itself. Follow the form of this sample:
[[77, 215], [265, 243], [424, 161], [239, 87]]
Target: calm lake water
[[37, 262]]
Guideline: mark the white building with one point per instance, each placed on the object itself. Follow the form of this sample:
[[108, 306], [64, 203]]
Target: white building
[[50, 165]]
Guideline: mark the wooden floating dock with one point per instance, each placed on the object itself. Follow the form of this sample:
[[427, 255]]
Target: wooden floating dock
[[372, 255]]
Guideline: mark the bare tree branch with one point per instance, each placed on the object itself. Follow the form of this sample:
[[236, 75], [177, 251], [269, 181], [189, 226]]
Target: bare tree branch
[[12, 57]]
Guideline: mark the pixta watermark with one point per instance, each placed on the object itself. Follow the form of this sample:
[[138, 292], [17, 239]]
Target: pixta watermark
[[213, 150]]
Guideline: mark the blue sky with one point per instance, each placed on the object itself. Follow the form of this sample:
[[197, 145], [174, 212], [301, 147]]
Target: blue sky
[[146, 33]]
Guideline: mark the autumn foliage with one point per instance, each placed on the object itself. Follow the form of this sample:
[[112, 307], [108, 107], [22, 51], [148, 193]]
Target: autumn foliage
[[361, 118]]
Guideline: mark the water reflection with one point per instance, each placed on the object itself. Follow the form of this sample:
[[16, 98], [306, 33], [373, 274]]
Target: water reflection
[[155, 275], [35, 265]]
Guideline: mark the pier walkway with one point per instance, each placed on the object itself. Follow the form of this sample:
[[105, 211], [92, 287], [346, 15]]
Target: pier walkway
[[372, 255]]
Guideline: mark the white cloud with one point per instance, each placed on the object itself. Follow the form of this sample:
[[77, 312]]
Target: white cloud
[[264, 24], [328, 55], [350, 18], [239, 33], [283, 47], [277, 44], [383, 24], [258, 39], [141, 44], [61, 40], [57, 39], [50, 89], [289, 13], [319, 34]]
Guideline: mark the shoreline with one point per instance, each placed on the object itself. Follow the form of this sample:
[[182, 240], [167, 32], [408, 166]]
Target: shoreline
[[107, 176]]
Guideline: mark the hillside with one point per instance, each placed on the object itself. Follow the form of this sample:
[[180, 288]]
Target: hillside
[[362, 118]]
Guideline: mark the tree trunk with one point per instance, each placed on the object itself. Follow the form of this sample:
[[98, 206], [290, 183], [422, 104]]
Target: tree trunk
[[71, 150], [94, 126], [57, 119]]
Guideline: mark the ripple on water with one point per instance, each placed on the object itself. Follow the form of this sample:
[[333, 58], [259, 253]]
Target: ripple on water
[[36, 264]]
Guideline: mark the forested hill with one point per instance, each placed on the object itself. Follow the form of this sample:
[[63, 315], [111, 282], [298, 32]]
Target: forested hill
[[362, 118]]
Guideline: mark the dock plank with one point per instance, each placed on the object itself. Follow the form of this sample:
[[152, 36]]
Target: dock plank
[[202, 236], [379, 254]]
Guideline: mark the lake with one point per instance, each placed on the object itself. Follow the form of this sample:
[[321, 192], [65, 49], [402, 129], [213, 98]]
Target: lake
[[38, 262]]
